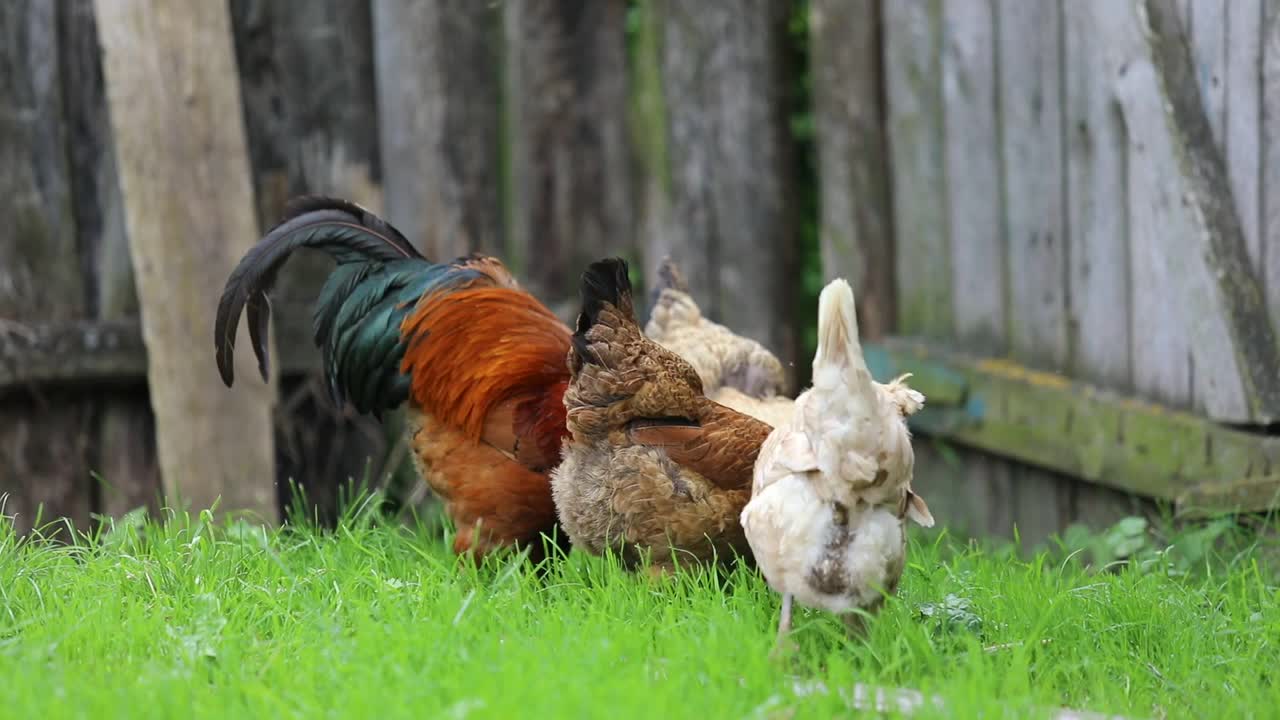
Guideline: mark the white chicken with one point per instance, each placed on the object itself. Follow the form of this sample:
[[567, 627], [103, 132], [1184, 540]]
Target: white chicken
[[832, 486]]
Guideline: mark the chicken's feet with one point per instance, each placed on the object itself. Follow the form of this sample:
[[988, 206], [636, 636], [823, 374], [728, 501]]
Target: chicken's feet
[[783, 641]]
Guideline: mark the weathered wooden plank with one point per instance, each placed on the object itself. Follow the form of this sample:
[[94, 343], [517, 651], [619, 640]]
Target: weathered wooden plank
[[437, 69], [1029, 49], [1207, 37], [1033, 169], [1097, 193], [975, 205], [306, 69], [1214, 498], [112, 351], [1234, 349], [306, 72], [970, 492], [856, 231], [725, 86], [570, 155], [1099, 507], [1242, 134], [72, 352], [1042, 503], [122, 439], [1270, 155], [43, 444], [1160, 344], [648, 124], [1056, 423], [913, 85], [174, 101]]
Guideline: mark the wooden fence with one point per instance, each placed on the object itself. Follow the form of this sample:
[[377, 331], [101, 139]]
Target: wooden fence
[[1092, 188], [1084, 189]]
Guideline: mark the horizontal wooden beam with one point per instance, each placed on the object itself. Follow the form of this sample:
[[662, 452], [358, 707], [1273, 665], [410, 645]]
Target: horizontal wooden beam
[[114, 352], [989, 404], [1052, 421]]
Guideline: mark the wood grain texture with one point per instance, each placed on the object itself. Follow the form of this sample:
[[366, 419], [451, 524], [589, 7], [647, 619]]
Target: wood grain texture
[[44, 437], [912, 39], [1233, 343], [1035, 220], [306, 69], [1042, 504], [729, 154], [1270, 155], [122, 437], [437, 71], [1207, 37], [976, 202], [112, 352], [856, 225], [1160, 347], [566, 92], [1059, 424], [174, 99], [1097, 193], [1029, 39], [1242, 132], [969, 492]]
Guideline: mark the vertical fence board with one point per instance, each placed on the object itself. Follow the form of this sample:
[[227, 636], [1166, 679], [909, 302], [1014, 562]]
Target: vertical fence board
[[912, 40], [1207, 38], [970, 492], [1160, 349], [648, 130], [1029, 41], [1029, 50], [174, 100], [729, 154], [1097, 213], [1042, 503], [570, 179], [1271, 155], [1098, 216], [307, 79], [856, 229], [43, 435], [123, 431], [437, 74], [1232, 342], [306, 69], [1242, 134], [973, 175]]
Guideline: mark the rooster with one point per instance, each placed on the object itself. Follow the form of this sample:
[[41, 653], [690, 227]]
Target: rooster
[[832, 487], [652, 467], [480, 362]]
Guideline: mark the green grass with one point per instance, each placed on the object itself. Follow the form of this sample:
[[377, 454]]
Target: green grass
[[187, 619]]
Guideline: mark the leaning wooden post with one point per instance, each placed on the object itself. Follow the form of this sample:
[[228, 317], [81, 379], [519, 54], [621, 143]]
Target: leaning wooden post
[[174, 100]]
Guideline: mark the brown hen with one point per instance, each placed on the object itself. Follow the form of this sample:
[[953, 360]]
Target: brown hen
[[651, 465]]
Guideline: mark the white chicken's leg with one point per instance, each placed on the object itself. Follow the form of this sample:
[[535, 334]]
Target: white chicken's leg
[[784, 622]]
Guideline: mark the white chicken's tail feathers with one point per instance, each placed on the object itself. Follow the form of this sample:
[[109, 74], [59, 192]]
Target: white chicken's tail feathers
[[838, 344]]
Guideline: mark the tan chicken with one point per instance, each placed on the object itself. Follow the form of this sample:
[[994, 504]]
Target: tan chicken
[[651, 465], [735, 371], [832, 486]]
